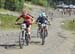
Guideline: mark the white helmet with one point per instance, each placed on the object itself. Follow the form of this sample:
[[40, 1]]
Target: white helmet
[[43, 14]]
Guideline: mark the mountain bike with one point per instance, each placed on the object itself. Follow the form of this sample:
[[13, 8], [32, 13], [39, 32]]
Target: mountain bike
[[42, 32], [23, 35]]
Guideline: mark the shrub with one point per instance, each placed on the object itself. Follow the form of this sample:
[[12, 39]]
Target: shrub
[[14, 5], [40, 2], [2, 2]]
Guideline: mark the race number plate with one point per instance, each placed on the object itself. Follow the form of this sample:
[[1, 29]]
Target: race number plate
[[23, 26], [43, 24]]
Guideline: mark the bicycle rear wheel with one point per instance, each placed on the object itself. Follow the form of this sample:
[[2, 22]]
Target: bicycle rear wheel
[[43, 40], [43, 37], [45, 33]]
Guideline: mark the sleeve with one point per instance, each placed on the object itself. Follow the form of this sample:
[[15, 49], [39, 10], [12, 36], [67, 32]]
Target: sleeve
[[20, 16]]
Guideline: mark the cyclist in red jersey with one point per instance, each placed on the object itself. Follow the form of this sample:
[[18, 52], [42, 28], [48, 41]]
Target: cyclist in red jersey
[[28, 20]]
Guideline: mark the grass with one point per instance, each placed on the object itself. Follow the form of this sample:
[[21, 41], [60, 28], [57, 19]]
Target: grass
[[8, 22], [69, 25], [3, 10]]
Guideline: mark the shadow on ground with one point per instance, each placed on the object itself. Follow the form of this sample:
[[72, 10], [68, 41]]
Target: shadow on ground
[[16, 46], [7, 46]]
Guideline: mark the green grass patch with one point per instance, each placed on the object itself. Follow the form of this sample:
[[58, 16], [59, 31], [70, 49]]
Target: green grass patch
[[69, 25], [8, 22]]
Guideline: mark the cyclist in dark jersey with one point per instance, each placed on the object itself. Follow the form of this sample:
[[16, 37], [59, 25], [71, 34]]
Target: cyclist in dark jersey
[[42, 19]]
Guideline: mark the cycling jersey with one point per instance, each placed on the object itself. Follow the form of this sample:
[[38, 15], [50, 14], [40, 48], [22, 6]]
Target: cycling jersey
[[27, 18], [42, 20]]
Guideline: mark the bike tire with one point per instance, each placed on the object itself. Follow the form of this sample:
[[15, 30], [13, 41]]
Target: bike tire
[[21, 40], [43, 40], [43, 37], [27, 39], [45, 34]]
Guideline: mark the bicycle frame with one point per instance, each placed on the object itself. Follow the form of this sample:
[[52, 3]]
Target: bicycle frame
[[25, 31], [23, 35], [43, 26]]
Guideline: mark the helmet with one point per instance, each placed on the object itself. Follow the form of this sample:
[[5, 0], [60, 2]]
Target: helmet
[[43, 14]]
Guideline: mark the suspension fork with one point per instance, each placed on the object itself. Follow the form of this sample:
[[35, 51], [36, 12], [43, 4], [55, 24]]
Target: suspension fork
[[22, 33]]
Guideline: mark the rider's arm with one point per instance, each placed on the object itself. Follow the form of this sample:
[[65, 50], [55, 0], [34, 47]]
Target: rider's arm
[[37, 20], [18, 18], [48, 21]]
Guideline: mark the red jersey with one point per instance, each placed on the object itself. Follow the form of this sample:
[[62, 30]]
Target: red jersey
[[27, 18]]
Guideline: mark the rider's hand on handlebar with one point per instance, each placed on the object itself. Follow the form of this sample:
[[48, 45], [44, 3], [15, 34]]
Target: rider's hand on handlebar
[[16, 23]]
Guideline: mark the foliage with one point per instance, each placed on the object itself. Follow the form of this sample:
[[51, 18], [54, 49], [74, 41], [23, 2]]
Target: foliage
[[2, 3], [40, 2], [8, 21], [14, 5], [17, 5], [51, 3]]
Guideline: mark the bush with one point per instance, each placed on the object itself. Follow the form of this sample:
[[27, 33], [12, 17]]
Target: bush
[[19, 5], [2, 2], [14, 5], [40, 2]]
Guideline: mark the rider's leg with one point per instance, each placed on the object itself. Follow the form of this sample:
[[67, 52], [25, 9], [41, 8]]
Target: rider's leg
[[29, 31], [46, 29]]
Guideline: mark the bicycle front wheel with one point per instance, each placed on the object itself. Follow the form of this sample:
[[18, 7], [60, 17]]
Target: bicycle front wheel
[[21, 40], [27, 39]]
